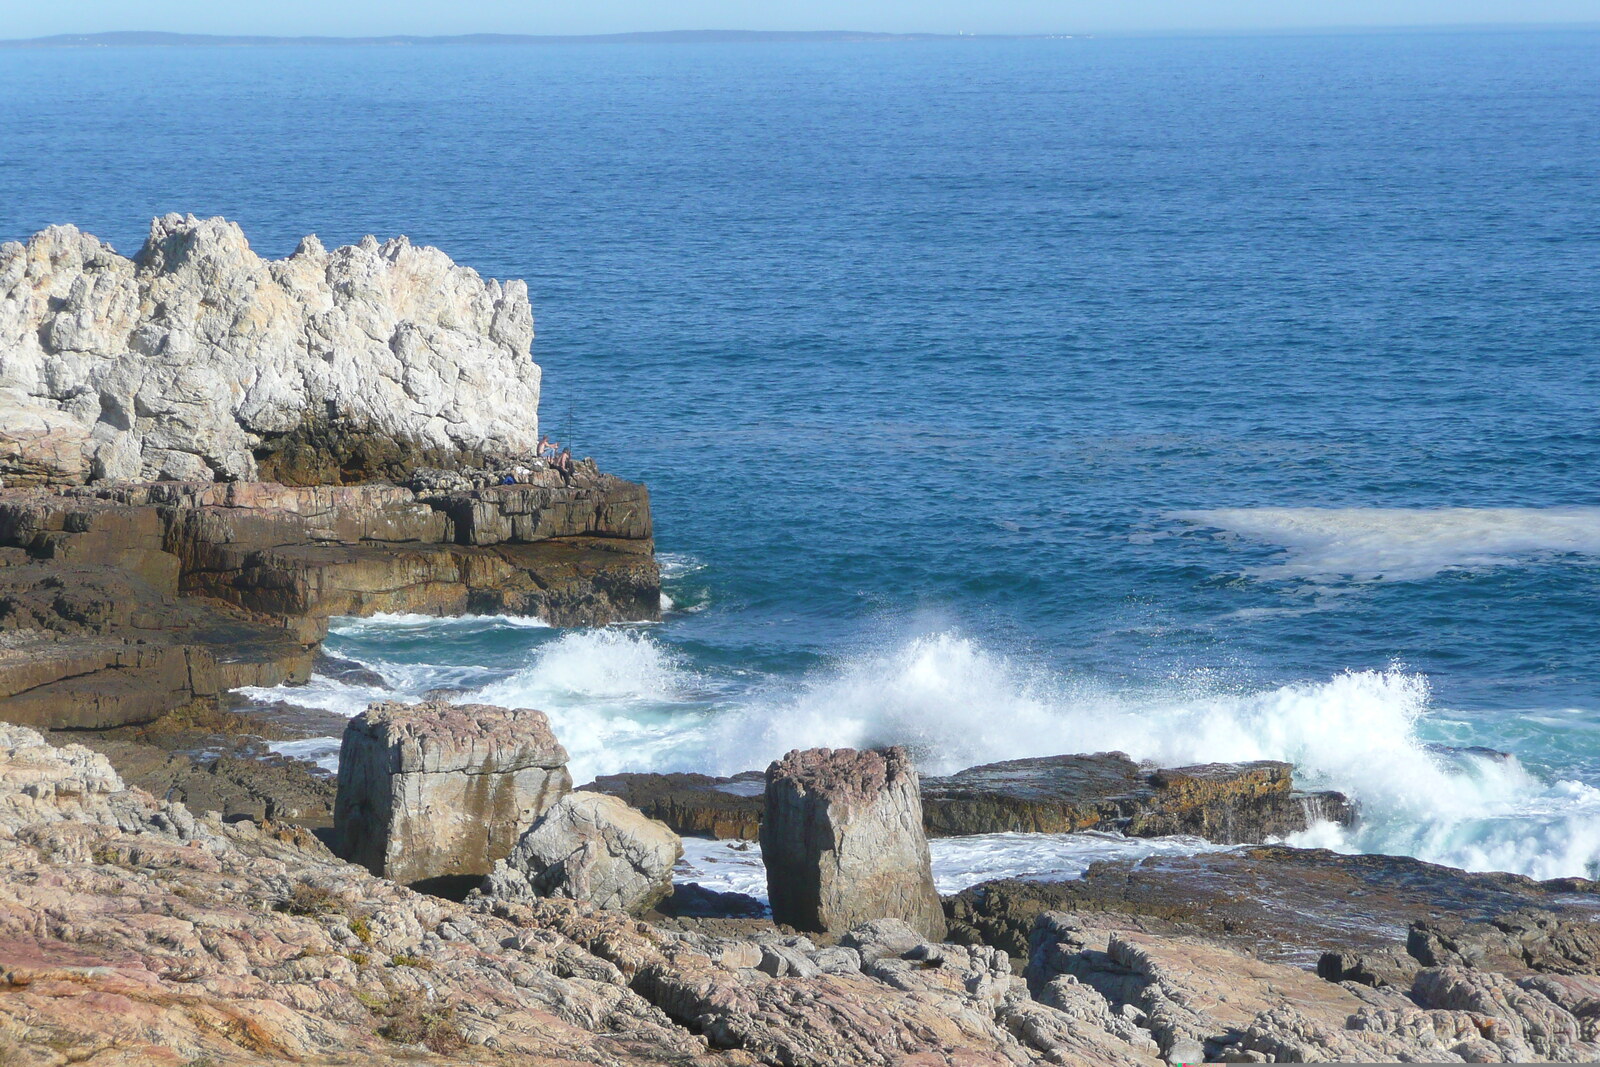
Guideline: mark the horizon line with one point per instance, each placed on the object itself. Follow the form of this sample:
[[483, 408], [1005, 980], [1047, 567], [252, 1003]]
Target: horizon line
[[173, 38]]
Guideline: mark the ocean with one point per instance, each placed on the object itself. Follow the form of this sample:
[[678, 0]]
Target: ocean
[[1207, 398]]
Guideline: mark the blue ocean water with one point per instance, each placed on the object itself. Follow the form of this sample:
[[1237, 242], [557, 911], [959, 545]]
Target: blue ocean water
[[1206, 398]]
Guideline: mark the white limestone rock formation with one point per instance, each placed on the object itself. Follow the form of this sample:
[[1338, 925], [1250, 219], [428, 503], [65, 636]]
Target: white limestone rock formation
[[198, 360], [437, 791], [843, 842], [590, 847]]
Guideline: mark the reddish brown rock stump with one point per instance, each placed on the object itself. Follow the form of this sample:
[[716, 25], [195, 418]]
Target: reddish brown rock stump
[[435, 793], [843, 843]]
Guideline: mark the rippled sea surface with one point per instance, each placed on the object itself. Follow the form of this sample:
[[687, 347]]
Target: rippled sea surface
[[1205, 398]]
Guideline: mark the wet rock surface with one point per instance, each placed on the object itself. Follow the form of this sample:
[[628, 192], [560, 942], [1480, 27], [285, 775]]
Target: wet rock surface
[[1284, 904], [434, 792], [134, 932], [1229, 803], [843, 844], [694, 805]]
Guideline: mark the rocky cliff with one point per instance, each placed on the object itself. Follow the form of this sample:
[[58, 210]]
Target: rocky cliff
[[119, 604], [206, 454], [197, 360]]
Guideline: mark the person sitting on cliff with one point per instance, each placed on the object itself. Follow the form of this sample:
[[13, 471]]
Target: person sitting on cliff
[[547, 448], [563, 463]]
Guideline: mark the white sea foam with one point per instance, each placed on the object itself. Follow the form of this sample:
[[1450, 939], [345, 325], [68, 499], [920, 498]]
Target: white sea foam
[[402, 681], [958, 862], [1402, 544], [617, 698], [958, 704], [691, 599], [620, 699], [321, 751], [391, 622], [324, 694], [677, 564]]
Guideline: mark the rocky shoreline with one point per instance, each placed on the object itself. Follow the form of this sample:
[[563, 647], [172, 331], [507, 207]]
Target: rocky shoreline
[[136, 931], [120, 604], [209, 455], [1229, 803]]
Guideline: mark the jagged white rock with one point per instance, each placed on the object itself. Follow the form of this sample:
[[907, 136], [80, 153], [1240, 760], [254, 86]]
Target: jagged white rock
[[184, 360]]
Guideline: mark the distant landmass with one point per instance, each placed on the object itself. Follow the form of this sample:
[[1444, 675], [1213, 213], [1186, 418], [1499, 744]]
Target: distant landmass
[[149, 39]]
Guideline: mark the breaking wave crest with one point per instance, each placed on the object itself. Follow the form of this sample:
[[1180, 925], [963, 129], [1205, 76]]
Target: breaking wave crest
[[622, 699], [956, 704], [617, 698]]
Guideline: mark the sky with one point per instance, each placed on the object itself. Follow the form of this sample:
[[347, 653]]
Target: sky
[[31, 18]]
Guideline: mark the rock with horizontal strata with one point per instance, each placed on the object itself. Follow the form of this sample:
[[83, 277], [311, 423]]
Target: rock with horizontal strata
[[120, 603], [196, 360], [590, 847], [1230, 803], [1284, 904], [695, 805], [435, 792], [843, 844]]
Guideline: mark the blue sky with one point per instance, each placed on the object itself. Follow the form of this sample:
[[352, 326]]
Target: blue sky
[[27, 18]]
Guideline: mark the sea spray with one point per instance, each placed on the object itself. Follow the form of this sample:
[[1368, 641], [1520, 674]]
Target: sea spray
[[627, 699], [618, 699]]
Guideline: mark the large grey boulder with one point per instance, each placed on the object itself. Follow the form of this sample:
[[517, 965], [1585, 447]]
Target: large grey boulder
[[441, 791], [592, 847], [197, 360], [843, 843]]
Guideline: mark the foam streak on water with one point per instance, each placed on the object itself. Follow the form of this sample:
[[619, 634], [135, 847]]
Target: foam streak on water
[[1406, 544], [958, 862]]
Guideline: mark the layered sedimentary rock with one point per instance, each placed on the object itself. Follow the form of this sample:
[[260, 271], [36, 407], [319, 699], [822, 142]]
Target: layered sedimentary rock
[[1199, 1000], [197, 360], [695, 805], [589, 847], [843, 844], [133, 932], [1290, 905], [197, 443], [123, 602], [435, 792], [1231, 803]]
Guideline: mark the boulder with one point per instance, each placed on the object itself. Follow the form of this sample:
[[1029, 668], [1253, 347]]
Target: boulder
[[133, 931], [843, 843], [433, 794], [590, 847], [1516, 943]]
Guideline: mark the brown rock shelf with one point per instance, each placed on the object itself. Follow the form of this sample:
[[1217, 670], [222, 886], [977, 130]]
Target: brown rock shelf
[[1231, 803], [121, 603]]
